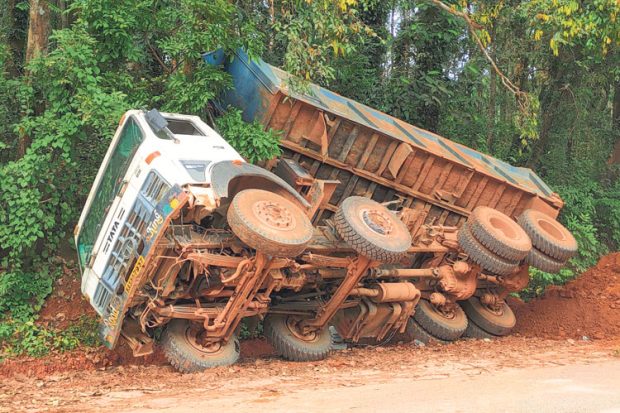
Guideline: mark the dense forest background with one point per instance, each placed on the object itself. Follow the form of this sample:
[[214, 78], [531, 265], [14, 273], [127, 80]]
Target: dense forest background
[[536, 83]]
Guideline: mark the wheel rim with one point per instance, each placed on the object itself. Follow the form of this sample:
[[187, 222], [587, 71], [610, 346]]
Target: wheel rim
[[293, 326], [448, 315], [503, 227], [550, 229], [193, 338], [377, 221], [274, 215], [497, 312]]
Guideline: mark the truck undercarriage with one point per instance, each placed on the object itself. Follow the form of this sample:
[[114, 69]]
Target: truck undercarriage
[[364, 271]]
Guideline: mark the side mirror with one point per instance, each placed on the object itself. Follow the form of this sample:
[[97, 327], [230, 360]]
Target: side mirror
[[159, 124], [156, 121]]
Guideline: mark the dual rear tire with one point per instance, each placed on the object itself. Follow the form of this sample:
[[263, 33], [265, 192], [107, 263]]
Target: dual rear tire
[[553, 244], [499, 245], [470, 319], [494, 241]]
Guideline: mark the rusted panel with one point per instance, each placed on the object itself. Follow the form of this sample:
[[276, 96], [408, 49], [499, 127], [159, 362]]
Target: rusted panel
[[387, 156], [369, 149], [398, 159], [424, 173], [348, 144]]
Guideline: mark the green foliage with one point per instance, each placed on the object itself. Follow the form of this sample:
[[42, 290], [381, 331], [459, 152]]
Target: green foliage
[[249, 139], [32, 339], [66, 118], [315, 34]]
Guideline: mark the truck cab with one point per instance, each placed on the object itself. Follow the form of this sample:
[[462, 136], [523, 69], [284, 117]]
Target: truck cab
[[140, 168]]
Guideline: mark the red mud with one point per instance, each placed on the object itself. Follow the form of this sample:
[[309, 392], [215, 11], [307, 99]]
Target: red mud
[[66, 304], [587, 306]]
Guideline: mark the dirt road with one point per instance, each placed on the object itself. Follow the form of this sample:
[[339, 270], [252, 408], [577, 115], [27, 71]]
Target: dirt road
[[511, 374]]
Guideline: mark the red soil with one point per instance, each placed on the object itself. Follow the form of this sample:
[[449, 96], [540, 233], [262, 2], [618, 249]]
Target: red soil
[[587, 306]]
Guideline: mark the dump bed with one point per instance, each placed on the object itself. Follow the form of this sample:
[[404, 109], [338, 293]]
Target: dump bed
[[376, 155]]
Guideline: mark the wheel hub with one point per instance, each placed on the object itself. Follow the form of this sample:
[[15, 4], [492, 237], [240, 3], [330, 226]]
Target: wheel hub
[[195, 339], [274, 215], [446, 312], [293, 326], [377, 221]]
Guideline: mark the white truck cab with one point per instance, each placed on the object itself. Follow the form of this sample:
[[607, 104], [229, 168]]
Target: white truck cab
[[142, 164]]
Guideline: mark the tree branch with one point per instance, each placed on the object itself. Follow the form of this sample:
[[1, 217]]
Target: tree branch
[[521, 96]]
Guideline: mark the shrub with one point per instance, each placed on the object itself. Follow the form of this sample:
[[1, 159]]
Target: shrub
[[249, 139]]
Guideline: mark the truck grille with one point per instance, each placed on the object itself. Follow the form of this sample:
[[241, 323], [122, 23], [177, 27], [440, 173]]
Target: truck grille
[[102, 297], [154, 188], [130, 240]]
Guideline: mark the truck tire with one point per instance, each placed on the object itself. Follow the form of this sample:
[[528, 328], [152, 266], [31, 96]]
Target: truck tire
[[482, 256], [413, 331], [269, 223], [548, 235], [280, 331], [372, 230], [181, 348], [498, 323], [499, 233], [443, 326], [543, 262], [473, 331]]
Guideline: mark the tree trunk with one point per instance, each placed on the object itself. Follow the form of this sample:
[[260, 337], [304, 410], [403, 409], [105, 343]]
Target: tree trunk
[[7, 24], [492, 99], [63, 20], [615, 154], [38, 28]]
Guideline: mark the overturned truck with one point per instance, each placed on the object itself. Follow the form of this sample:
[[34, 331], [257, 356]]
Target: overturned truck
[[381, 235]]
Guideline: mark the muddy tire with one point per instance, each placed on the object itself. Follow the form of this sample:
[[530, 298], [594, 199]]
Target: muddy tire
[[414, 331], [482, 256], [179, 342], [269, 223], [543, 262], [548, 235], [372, 230], [499, 233], [280, 331], [447, 327], [498, 323], [473, 331]]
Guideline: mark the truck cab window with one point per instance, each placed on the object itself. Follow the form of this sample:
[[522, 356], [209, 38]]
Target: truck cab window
[[128, 143]]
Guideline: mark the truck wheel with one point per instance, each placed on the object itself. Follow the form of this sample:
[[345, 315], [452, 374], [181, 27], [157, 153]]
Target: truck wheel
[[499, 233], [473, 331], [269, 223], [444, 326], [184, 351], [548, 235], [482, 256], [413, 331], [498, 322], [289, 342], [372, 230], [542, 261]]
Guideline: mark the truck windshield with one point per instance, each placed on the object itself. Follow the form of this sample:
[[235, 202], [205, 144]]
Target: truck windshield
[[109, 186]]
